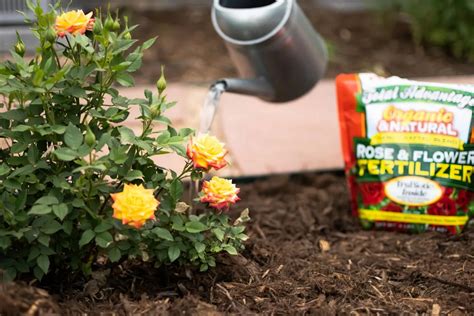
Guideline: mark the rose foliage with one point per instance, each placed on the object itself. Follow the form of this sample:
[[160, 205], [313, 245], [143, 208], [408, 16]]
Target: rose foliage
[[76, 184]]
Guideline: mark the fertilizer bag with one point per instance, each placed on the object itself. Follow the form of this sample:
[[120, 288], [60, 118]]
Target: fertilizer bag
[[408, 149]]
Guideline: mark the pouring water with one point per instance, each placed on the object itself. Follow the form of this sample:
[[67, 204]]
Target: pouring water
[[208, 114], [210, 106]]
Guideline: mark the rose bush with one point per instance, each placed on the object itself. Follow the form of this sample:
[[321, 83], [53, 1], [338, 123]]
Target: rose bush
[[76, 184]]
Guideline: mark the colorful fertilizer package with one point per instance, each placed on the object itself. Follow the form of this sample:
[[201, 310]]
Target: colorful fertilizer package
[[408, 148]]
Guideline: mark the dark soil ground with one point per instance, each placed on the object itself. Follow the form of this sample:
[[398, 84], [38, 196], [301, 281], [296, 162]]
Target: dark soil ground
[[305, 255], [366, 41]]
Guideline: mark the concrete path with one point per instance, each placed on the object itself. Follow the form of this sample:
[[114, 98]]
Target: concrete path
[[265, 138]]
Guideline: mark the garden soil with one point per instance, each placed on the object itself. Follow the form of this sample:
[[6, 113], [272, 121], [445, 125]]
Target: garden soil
[[305, 255], [376, 42]]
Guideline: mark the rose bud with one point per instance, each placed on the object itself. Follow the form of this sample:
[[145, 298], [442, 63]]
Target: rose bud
[[161, 83], [89, 139]]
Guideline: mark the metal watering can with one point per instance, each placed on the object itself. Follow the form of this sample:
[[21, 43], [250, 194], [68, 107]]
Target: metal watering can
[[278, 54]]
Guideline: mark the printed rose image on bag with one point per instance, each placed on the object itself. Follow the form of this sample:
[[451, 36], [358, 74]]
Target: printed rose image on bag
[[408, 150]]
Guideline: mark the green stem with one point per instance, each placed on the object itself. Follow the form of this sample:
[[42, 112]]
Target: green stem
[[90, 212]]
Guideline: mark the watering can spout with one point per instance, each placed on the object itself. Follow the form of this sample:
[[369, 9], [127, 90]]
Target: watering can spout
[[272, 42], [258, 87]]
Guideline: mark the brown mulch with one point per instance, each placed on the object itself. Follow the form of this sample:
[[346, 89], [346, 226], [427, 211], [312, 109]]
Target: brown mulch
[[306, 255], [191, 50]]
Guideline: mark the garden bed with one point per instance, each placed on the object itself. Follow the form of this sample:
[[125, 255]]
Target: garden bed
[[305, 255]]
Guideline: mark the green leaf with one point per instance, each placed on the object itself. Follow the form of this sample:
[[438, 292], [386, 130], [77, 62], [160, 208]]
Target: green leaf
[[103, 239], [230, 250], [34, 253], [58, 129], [99, 167], [19, 147], [178, 223], [66, 154], [103, 227], [127, 135], [4, 169], [33, 154], [40, 209], [219, 233], [242, 237], [47, 200], [60, 210], [14, 115], [149, 43], [118, 154], [44, 240], [185, 132], [86, 237], [21, 128], [134, 175], [12, 184], [43, 263], [238, 230], [179, 149], [211, 262], [136, 61], [51, 227], [194, 227], [73, 136], [75, 91], [163, 138], [20, 201], [123, 45], [28, 169], [163, 233], [200, 247], [39, 274], [114, 254], [173, 253], [125, 79], [5, 242], [78, 203], [176, 189]]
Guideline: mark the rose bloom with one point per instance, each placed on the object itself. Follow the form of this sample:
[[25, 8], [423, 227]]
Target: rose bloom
[[134, 205], [392, 207], [447, 192], [464, 199], [372, 192], [74, 22], [207, 152], [444, 206], [219, 193]]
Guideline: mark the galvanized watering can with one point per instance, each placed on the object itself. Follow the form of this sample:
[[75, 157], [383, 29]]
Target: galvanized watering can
[[277, 52]]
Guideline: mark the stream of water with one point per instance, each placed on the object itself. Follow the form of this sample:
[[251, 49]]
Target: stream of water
[[210, 106], [208, 114]]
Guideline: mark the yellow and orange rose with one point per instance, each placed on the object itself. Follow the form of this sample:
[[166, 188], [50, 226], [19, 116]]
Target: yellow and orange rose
[[134, 205], [219, 193], [74, 22], [207, 152]]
